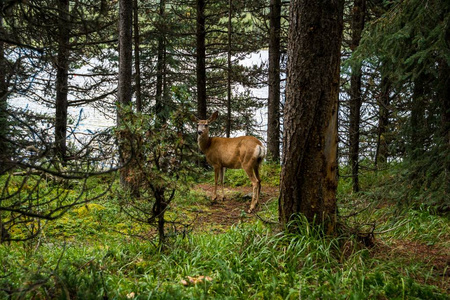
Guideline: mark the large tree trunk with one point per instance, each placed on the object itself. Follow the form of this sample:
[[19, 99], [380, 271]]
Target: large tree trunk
[[201, 60], [137, 60], [125, 73], [62, 78], [358, 14], [308, 177], [273, 126]]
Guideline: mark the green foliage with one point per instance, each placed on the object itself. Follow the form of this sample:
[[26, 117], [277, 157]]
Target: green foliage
[[420, 183], [161, 161], [409, 38], [83, 255], [405, 51]]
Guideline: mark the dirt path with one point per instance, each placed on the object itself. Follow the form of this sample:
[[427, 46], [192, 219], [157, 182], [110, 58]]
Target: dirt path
[[222, 214]]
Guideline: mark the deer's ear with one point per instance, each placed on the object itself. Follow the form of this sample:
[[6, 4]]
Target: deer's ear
[[213, 117], [194, 119]]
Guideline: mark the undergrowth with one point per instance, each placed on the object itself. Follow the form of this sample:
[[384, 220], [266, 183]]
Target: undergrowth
[[93, 252]]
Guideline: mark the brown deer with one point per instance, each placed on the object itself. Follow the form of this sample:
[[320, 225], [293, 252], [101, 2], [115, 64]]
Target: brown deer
[[244, 152]]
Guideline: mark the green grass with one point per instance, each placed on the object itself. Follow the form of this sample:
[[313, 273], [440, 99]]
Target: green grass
[[84, 255]]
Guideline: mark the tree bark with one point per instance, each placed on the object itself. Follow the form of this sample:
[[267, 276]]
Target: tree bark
[[137, 61], [160, 67], [201, 60], [4, 124], [125, 52], [418, 130], [383, 122], [125, 73], [358, 15], [444, 132], [230, 10], [308, 177], [62, 78], [273, 126]]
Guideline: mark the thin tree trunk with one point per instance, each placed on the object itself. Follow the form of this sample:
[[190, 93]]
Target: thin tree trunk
[[137, 60], [229, 70], [383, 122], [417, 120], [62, 78], [160, 66], [358, 14], [4, 124], [125, 73], [201, 60], [444, 132], [160, 207], [309, 173], [273, 126]]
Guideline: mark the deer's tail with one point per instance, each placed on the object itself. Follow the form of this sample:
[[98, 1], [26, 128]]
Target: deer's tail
[[260, 153]]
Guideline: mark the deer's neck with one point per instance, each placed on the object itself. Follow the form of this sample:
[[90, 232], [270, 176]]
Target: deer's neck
[[204, 141]]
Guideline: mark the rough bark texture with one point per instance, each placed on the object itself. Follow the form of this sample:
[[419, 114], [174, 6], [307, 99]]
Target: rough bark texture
[[443, 98], [125, 73], [125, 52], [358, 14], [160, 67], [230, 10], [273, 128], [308, 177], [201, 64], [137, 60], [417, 122], [62, 70], [383, 122], [4, 126]]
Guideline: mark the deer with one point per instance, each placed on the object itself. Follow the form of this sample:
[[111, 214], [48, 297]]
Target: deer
[[243, 152]]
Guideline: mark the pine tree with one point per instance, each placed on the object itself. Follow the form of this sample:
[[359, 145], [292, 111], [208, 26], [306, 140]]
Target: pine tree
[[309, 174]]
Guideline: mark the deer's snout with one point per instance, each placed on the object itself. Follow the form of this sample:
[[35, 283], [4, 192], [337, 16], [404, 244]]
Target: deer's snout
[[199, 132]]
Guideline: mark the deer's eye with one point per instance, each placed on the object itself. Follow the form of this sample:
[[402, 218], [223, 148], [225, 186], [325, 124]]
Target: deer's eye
[[206, 125]]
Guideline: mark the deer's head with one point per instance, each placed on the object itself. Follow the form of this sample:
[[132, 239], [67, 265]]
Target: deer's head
[[203, 125]]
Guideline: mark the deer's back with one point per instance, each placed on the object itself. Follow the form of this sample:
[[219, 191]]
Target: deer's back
[[232, 152]]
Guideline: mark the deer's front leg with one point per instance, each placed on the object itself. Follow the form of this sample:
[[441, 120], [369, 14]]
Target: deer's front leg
[[216, 178], [221, 177]]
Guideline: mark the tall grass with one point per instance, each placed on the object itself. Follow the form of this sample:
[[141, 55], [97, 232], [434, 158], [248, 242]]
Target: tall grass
[[248, 262], [84, 255]]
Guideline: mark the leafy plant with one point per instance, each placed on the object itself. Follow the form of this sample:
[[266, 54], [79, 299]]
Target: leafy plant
[[161, 161]]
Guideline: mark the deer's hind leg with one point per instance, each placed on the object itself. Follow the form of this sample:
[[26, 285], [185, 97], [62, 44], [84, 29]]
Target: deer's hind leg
[[253, 174], [258, 190]]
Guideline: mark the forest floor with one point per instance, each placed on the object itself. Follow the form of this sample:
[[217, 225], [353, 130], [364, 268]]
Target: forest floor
[[221, 215], [97, 249]]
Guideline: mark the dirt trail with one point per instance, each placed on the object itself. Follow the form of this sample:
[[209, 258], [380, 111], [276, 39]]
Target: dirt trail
[[223, 214]]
